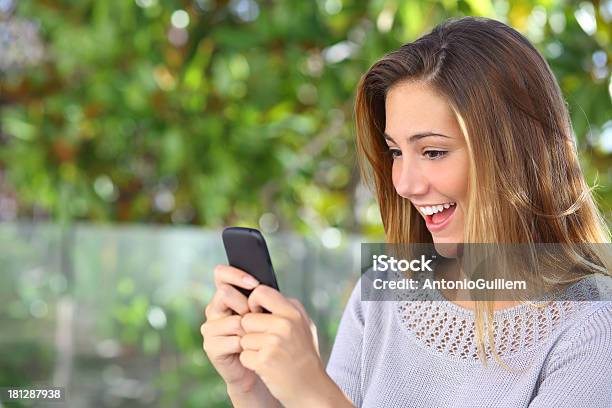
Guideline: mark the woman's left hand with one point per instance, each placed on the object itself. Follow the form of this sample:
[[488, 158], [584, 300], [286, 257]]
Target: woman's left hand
[[282, 348]]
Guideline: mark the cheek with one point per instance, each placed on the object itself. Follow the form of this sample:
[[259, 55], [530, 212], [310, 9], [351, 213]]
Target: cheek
[[455, 178], [454, 185], [396, 170], [463, 187], [462, 178]]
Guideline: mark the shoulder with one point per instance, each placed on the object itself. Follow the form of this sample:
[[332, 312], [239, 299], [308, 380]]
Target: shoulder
[[595, 321], [593, 317], [578, 370], [353, 310], [587, 335], [363, 300]]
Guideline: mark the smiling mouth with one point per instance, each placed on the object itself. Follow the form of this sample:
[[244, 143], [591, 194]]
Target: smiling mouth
[[437, 217], [440, 217], [436, 208]]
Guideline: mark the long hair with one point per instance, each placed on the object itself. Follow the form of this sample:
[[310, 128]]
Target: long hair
[[525, 182]]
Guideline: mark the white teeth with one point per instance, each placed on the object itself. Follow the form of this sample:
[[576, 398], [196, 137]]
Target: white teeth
[[429, 210]]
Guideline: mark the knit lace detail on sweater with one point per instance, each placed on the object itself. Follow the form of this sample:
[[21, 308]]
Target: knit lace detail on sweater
[[449, 329]]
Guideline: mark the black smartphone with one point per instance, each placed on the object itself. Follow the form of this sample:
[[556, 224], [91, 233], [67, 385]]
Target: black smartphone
[[246, 249]]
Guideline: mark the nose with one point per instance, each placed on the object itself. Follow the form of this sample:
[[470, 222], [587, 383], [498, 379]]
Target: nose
[[409, 181]]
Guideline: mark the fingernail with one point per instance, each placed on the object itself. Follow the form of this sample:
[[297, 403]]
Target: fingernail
[[250, 281]]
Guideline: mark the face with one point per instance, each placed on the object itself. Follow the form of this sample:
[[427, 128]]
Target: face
[[430, 158]]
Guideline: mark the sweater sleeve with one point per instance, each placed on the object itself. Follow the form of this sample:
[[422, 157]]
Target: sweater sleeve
[[579, 373], [344, 365]]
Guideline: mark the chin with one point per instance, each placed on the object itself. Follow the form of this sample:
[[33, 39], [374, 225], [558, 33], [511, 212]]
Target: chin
[[446, 248]]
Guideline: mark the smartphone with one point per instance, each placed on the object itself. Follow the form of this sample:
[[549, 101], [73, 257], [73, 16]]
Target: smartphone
[[246, 249]]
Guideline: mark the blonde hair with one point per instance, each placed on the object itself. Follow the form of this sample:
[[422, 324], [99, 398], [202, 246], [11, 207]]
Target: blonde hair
[[525, 182]]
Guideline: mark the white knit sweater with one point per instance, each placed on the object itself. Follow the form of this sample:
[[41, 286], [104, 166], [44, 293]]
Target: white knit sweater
[[423, 354]]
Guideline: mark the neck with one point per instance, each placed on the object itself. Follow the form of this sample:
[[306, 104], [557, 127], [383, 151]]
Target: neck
[[451, 270]]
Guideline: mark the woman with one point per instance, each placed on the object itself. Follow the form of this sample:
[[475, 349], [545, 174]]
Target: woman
[[467, 121]]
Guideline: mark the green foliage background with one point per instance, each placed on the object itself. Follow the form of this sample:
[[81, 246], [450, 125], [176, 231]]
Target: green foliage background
[[246, 117]]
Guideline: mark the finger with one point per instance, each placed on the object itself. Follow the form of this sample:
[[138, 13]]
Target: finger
[[298, 305], [254, 307], [225, 300], [257, 341], [216, 347], [273, 301], [249, 359], [226, 326], [216, 309], [234, 276], [263, 323]]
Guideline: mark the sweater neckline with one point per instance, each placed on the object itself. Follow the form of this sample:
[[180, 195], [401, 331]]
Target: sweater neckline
[[448, 329], [582, 290]]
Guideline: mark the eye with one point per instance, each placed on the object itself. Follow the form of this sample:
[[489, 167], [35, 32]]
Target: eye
[[434, 154], [393, 153]]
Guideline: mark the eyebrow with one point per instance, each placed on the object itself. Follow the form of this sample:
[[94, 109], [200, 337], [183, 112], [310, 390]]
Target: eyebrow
[[418, 136]]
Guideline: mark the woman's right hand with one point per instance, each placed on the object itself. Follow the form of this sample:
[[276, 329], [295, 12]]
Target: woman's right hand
[[222, 329]]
